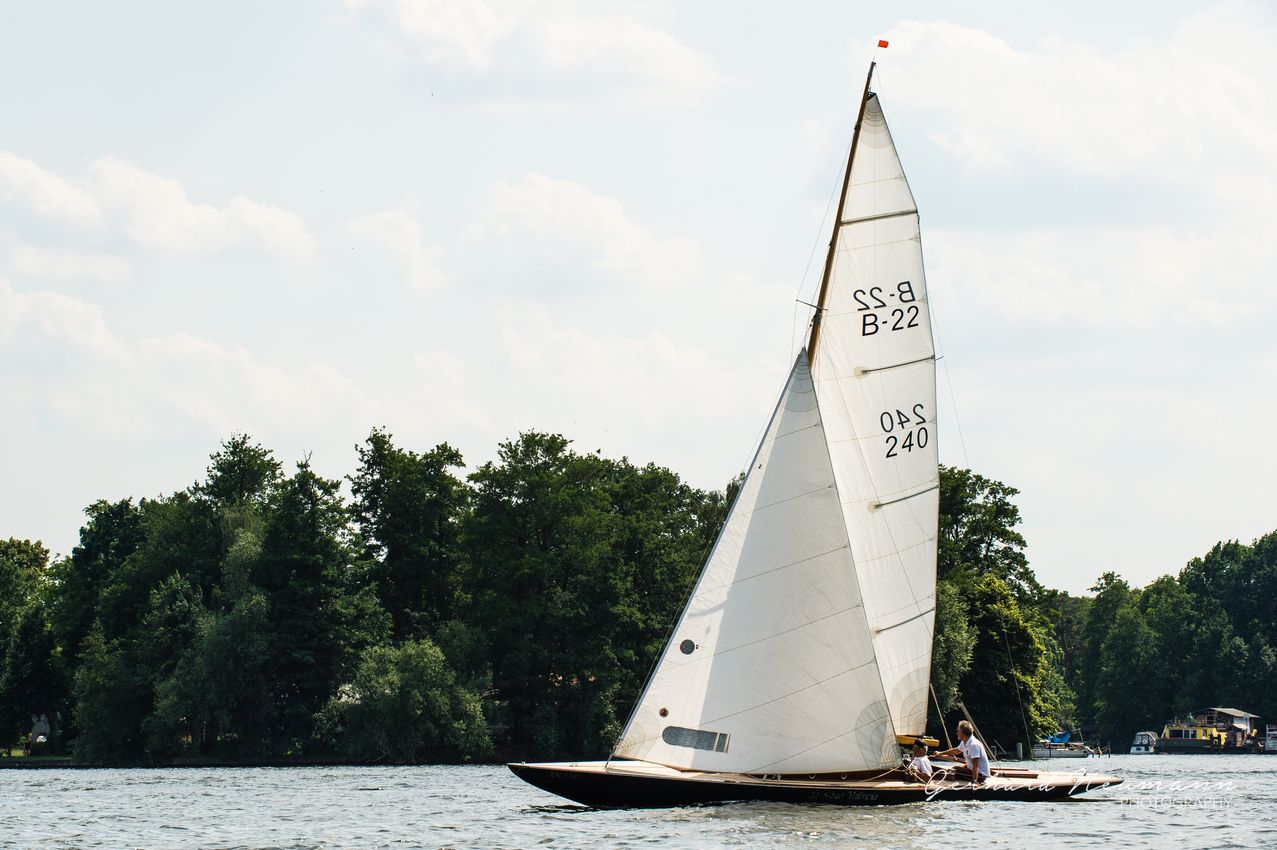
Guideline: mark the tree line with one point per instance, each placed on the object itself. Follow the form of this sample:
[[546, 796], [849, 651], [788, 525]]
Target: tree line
[[431, 615], [1028, 660]]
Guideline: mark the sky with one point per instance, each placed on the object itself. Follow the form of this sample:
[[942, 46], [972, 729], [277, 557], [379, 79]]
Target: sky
[[463, 219]]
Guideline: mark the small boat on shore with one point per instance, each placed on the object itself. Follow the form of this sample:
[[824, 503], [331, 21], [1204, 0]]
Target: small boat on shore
[[1144, 743], [1047, 750], [1059, 746]]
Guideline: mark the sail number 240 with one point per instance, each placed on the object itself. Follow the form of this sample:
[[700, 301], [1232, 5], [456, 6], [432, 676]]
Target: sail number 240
[[905, 430], [900, 318]]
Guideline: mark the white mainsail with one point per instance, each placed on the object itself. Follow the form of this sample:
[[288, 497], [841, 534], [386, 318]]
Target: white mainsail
[[874, 370], [806, 645]]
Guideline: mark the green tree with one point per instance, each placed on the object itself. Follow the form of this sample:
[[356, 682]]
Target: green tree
[[541, 545], [577, 566], [304, 570], [23, 567], [23, 575], [999, 655], [408, 507], [113, 532], [952, 647], [1218, 672], [111, 701], [1067, 616], [1008, 688], [405, 705], [176, 534], [1112, 594], [32, 677], [978, 534], [1170, 612], [238, 472], [219, 696], [1122, 706]]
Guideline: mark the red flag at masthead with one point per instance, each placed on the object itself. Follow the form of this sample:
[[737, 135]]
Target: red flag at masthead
[[882, 43]]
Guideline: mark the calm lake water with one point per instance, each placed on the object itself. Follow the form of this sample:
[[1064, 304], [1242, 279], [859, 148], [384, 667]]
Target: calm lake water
[[1167, 801]]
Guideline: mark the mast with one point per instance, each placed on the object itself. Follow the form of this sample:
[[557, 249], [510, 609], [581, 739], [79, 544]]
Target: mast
[[833, 238]]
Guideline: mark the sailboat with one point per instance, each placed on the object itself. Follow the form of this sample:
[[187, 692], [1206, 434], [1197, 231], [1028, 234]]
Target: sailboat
[[802, 660]]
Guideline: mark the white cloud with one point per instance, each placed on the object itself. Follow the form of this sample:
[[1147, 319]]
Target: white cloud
[[1175, 108], [568, 218], [1155, 116], [620, 45], [404, 236], [1111, 277], [37, 262], [67, 321], [452, 32], [153, 211], [618, 389], [231, 389], [49, 194], [1105, 444], [158, 215], [59, 353], [579, 38]]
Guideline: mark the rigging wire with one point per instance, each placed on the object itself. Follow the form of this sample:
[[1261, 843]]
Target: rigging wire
[[820, 231], [940, 714], [948, 379], [1011, 665]]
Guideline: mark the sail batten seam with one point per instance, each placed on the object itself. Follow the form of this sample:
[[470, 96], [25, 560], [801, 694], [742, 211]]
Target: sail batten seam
[[791, 564], [880, 216], [904, 622], [874, 506]]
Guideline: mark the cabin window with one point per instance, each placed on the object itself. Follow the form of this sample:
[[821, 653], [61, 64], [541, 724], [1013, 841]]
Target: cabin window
[[697, 739]]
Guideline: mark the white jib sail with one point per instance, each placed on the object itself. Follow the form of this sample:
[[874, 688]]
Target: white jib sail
[[771, 667], [874, 375]]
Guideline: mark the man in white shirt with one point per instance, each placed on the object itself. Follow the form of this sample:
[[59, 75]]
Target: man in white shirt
[[971, 751]]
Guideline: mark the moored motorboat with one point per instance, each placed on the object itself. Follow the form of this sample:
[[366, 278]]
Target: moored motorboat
[[1144, 743]]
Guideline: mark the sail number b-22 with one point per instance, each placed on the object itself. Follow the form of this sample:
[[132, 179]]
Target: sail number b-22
[[900, 318], [905, 430]]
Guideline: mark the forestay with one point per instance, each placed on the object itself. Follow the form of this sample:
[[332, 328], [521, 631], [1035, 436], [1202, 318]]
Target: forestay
[[771, 667], [874, 374]]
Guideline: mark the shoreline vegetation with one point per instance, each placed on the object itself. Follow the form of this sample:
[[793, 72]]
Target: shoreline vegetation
[[260, 617]]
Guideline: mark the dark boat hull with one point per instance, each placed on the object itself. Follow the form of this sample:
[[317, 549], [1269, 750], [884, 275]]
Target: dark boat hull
[[597, 784]]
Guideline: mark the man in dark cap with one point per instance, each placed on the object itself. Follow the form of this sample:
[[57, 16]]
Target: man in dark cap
[[920, 764]]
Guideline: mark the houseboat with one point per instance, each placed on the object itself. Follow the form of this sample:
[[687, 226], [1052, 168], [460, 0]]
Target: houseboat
[[1212, 730]]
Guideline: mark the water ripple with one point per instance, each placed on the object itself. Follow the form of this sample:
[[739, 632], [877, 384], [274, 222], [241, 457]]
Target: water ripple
[[1168, 801]]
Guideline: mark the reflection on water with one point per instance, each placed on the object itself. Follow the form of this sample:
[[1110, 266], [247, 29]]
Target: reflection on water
[[1167, 801]]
